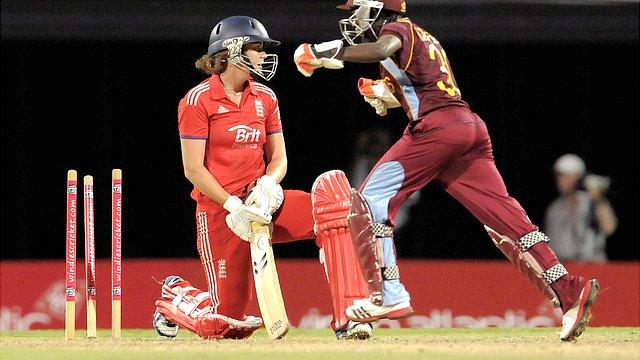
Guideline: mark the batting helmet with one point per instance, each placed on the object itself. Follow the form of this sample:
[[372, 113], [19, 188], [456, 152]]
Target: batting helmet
[[245, 27], [232, 33]]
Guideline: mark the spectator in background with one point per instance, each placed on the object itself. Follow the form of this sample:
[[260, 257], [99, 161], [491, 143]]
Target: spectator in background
[[578, 221]]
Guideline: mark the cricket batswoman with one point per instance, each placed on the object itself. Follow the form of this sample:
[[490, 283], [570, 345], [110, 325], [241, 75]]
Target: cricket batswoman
[[228, 125]]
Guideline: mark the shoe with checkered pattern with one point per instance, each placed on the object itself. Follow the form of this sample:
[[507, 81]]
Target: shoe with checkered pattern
[[363, 310], [577, 317]]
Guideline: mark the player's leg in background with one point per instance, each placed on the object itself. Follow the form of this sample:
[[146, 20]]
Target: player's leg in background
[[409, 165], [384, 183], [474, 180]]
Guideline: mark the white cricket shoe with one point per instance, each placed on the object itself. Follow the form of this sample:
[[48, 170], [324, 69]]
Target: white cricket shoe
[[359, 331], [363, 310], [576, 319], [355, 331]]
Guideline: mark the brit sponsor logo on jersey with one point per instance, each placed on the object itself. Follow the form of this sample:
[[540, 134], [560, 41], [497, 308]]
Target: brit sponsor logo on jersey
[[246, 137]]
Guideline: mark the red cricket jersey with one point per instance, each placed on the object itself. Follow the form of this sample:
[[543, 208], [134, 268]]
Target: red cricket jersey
[[235, 135], [419, 74]]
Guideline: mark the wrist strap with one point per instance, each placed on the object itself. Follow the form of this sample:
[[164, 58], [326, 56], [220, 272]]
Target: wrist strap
[[329, 49]]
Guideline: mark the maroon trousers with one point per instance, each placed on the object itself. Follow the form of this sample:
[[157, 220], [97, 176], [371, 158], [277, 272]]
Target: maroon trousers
[[452, 146]]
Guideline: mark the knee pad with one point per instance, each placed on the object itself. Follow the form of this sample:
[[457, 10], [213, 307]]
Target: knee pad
[[517, 253], [365, 235], [330, 197]]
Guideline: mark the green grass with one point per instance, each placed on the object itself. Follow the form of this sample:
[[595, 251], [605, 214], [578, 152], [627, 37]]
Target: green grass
[[388, 344]]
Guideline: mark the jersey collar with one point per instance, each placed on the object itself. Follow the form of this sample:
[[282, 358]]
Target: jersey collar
[[217, 89]]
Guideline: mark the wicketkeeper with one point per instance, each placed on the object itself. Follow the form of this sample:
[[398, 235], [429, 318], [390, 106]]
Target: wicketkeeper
[[444, 142]]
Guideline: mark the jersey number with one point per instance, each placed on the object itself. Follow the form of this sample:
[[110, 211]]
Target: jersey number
[[450, 87]]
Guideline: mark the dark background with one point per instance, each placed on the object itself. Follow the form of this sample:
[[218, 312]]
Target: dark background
[[93, 86]]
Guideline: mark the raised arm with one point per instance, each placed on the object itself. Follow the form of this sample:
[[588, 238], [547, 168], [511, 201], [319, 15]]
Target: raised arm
[[331, 54], [377, 51]]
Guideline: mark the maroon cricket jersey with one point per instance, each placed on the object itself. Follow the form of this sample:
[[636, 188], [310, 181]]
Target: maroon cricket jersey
[[419, 74]]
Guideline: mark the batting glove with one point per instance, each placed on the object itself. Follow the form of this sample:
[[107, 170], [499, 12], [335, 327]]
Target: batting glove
[[309, 57], [266, 195], [241, 216]]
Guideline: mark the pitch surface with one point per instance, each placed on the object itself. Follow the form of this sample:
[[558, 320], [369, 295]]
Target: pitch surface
[[388, 344]]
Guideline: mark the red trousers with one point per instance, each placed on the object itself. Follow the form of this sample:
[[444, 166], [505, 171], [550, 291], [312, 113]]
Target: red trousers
[[227, 259], [451, 146]]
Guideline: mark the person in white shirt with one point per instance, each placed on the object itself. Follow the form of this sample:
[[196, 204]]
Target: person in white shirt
[[579, 221]]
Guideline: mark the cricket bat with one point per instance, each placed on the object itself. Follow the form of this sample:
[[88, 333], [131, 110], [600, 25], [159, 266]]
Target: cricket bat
[[267, 284]]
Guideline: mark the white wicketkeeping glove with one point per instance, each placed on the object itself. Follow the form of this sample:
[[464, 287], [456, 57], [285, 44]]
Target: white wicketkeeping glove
[[381, 108], [266, 195], [378, 95], [309, 57], [241, 216]]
